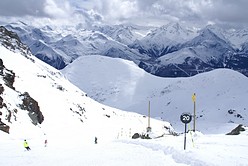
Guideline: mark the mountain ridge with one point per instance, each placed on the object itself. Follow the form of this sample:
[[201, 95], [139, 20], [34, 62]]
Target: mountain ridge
[[122, 41], [130, 88]]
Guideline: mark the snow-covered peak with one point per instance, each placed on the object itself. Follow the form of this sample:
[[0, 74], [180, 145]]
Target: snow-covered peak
[[122, 33], [175, 32], [237, 37], [218, 31], [210, 39], [163, 40]]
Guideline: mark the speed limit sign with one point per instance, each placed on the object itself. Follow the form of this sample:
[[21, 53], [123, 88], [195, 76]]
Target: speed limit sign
[[186, 118]]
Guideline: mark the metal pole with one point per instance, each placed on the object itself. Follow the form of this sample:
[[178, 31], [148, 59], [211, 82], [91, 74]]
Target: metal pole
[[194, 117], [185, 136], [149, 112], [194, 99]]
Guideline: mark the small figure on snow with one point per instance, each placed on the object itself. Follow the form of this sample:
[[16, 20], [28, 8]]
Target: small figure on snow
[[45, 142], [95, 140], [26, 145]]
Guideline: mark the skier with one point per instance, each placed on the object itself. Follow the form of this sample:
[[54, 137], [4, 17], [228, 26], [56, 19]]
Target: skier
[[26, 145], [95, 140], [46, 143]]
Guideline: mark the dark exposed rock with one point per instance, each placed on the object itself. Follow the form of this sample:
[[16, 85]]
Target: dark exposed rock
[[107, 115], [231, 111], [237, 130], [136, 135], [4, 127], [145, 136], [1, 66], [1, 102], [9, 78], [7, 75], [32, 106], [1, 63], [1, 89], [239, 116], [142, 136]]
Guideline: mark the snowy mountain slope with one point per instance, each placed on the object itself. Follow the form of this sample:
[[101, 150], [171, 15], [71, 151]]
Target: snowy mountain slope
[[72, 120], [237, 37], [200, 48], [205, 52], [68, 112], [123, 34], [221, 94], [163, 40]]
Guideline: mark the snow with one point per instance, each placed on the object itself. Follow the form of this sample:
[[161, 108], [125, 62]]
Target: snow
[[122, 84], [206, 150], [71, 132]]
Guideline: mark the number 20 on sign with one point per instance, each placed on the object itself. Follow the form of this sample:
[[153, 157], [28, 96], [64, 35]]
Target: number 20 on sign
[[185, 118]]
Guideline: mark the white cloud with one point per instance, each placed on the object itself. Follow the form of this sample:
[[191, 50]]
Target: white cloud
[[119, 10], [156, 12], [57, 10], [19, 8], [227, 11]]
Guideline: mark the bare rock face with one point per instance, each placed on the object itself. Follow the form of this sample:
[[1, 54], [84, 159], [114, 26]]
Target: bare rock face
[[29, 104], [1, 102], [7, 75], [3, 126], [9, 78], [32, 106], [237, 130]]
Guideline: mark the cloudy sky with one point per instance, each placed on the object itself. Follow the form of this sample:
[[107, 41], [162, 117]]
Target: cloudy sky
[[142, 12]]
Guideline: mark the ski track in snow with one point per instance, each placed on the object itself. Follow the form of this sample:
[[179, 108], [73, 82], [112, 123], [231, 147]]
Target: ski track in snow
[[179, 157]]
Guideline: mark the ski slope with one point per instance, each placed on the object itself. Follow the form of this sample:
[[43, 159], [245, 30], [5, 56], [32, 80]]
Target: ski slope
[[71, 136], [210, 150]]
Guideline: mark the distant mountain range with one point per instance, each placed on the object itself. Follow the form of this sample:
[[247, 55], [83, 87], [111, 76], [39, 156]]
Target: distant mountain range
[[168, 51]]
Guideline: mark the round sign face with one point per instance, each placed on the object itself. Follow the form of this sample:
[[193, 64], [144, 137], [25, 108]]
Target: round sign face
[[186, 118]]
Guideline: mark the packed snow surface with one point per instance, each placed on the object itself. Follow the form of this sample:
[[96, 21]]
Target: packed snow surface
[[206, 150], [71, 133]]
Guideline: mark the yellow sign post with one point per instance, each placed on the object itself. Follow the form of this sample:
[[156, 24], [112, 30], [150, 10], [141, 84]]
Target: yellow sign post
[[194, 100], [149, 129]]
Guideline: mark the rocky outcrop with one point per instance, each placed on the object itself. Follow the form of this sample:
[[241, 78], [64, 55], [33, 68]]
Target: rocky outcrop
[[7, 75], [1, 99], [237, 130], [29, 104], [3, 126], [32, 107], [136, 135]]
